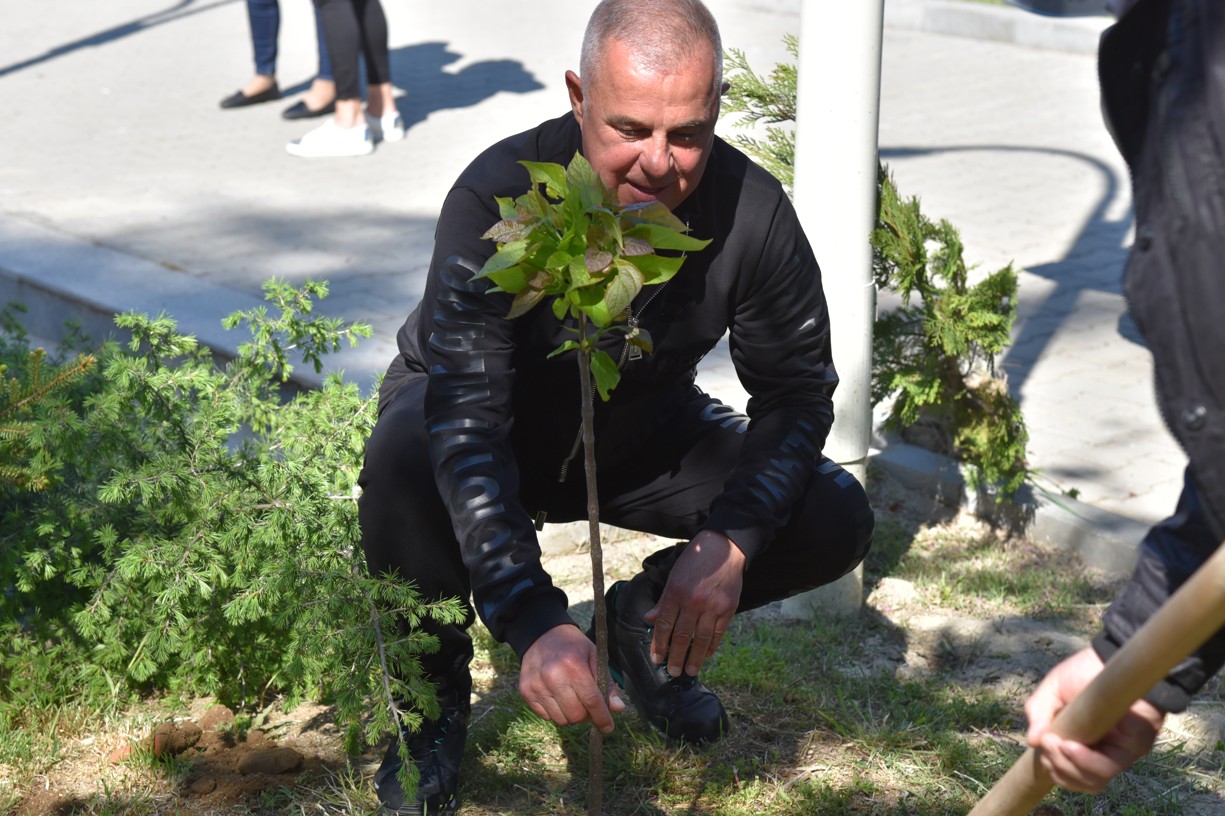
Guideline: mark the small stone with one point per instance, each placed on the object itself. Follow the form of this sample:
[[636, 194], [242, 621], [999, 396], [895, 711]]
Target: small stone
[[270, 761], [120, 754], [202, 785]]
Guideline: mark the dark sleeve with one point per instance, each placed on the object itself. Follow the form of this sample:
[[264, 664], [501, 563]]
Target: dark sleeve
[[468, 344], [780, 347], [1171, 552]]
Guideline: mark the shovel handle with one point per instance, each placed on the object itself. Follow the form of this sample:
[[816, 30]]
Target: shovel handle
[[1191, 615]]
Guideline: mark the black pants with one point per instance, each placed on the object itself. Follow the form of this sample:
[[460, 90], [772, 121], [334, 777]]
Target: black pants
[[666, 491], [350, 28]]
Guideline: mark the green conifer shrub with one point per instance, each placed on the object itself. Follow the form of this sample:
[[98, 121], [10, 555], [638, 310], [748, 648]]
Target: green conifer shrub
[[199, 534], [934, 355]]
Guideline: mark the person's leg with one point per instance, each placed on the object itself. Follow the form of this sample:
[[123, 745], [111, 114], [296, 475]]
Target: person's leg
[[322, 92], [667, 490], [342, 36], [827, 534], [373, 26], [405, 526], [346, 133], [265, 19], [381, 113], [407, 531]]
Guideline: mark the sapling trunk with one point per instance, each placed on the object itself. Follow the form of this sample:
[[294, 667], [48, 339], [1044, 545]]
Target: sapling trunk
[[568, 242], [595, 780]]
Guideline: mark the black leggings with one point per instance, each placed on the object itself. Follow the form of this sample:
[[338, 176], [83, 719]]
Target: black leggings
[[350, 27], [406, 528]]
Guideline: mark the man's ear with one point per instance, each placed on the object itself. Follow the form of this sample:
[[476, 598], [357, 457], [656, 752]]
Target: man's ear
[[574, 87], [727, 86]]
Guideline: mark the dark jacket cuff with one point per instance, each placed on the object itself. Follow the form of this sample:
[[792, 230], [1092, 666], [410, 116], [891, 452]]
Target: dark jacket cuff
[[1166, 695], [743, 532], [539, 617]]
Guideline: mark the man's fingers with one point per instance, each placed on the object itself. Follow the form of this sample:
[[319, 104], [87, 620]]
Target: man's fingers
[[677, 652], [699, 651], [663, 618]]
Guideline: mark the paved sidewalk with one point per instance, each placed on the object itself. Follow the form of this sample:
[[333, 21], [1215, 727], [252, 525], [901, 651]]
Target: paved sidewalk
[[125, 187]]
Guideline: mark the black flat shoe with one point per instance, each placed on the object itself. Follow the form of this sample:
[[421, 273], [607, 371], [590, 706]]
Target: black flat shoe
[[238, 99], [299, 110]]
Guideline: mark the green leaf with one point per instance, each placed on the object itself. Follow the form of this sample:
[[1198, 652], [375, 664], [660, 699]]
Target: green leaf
[[507, 230], [507, 208], [637, 246], [652, 212], [662, 237], [590, 300], [569, 345], [561, 307], [523, 302], [604, 371], [512, 279], [623, 288], [579, 276], [598, 260], [586, 183], [506, 256], [654, 268], [641, 338], [550, 174]]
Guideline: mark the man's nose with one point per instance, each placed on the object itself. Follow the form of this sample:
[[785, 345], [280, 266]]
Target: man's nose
[[656, 159]]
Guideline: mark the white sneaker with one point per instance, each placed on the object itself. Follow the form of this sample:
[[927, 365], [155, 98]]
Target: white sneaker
[[330, 139], [387, 128]]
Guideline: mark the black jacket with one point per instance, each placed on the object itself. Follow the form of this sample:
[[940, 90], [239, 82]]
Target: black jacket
[[493, 391], [1162, 68]]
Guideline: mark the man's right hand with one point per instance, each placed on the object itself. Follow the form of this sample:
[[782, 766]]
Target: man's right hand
[[1086, 768], [557, 679]]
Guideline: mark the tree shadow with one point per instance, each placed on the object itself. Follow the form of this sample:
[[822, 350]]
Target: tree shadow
[[176, 11], [419, 70]]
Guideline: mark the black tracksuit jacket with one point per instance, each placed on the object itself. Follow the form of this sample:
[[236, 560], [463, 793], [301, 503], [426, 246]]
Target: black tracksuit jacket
[[495, 399]]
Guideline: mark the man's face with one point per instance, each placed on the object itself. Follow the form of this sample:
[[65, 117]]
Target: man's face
[[648, 134]]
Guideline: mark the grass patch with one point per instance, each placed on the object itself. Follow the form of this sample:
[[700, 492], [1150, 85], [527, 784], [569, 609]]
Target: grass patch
[[866, 716]]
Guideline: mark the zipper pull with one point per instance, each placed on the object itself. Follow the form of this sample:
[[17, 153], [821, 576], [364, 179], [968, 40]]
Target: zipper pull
[[540, 517], [635, 352]]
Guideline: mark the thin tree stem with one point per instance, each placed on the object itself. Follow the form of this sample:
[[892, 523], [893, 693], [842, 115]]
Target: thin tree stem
[[595, 779]]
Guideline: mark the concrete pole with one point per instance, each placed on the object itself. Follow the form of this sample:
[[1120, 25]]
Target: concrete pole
[[838, 114]]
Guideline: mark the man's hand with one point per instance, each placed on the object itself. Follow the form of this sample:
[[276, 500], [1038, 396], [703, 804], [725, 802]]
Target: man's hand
[[698, 603], [1081, 767], [557, 679]]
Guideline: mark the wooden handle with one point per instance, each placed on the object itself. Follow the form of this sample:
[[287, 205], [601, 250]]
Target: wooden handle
[[1192, 615]]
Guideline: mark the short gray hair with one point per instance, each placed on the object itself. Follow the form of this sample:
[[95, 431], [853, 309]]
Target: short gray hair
[[662, 32]]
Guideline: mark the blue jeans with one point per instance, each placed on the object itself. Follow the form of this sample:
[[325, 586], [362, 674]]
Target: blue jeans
[[265, 17]]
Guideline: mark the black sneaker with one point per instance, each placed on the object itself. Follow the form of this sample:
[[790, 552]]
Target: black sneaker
[[436, 748], [680, 708]]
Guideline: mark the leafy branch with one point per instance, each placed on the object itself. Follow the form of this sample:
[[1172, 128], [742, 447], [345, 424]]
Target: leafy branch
[[568, 242]]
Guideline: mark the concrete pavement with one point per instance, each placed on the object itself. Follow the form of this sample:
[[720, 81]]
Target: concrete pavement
[[123, 186]]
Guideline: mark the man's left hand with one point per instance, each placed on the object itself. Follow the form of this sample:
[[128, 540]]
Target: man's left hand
[[698, 603]]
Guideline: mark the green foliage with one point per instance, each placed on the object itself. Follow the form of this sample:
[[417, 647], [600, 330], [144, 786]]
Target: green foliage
[[765, 99], [199, 532], [568, 239], [32, 386], [934, 355]]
